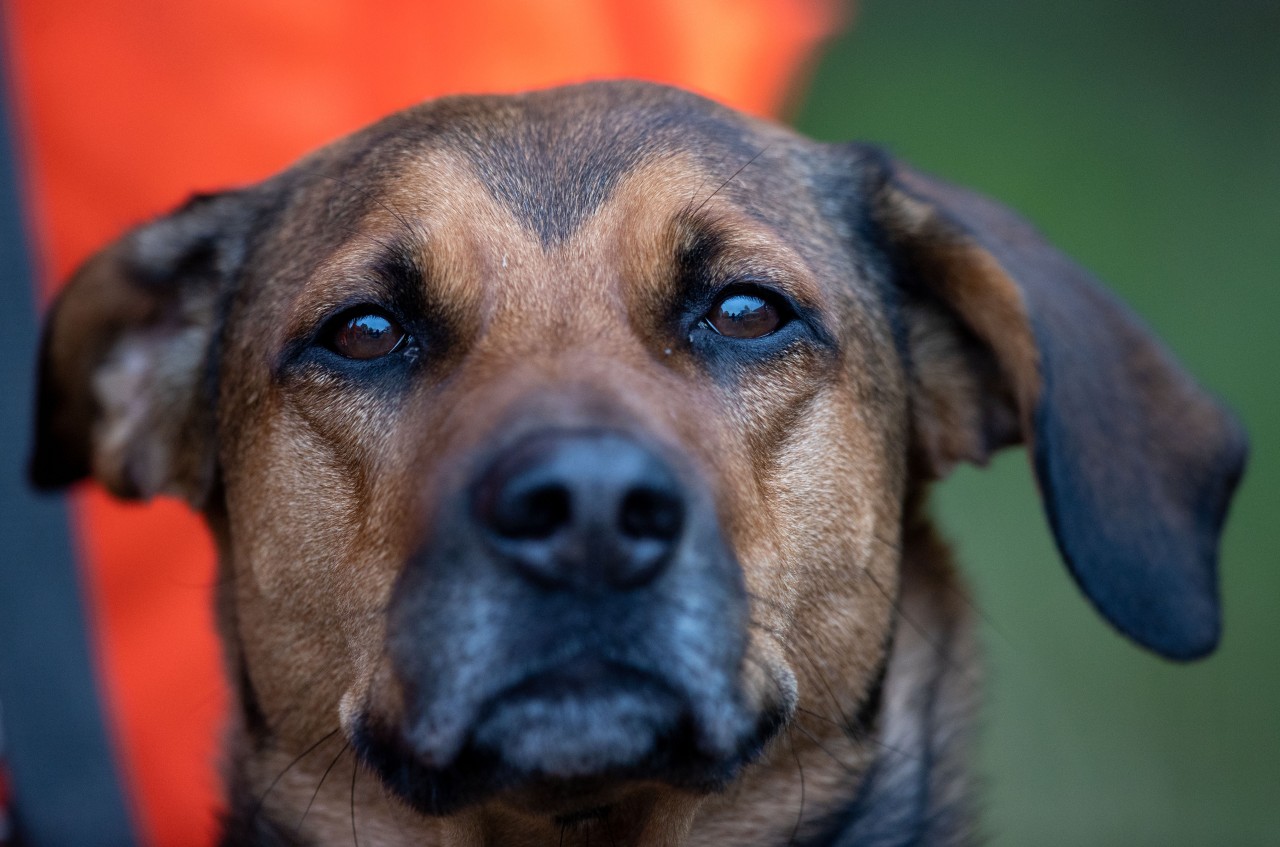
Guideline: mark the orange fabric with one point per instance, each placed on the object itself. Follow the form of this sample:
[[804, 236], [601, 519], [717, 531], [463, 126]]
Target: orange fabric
[[128, 106]]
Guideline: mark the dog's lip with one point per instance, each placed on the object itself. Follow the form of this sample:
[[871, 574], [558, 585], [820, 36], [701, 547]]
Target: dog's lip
[[579, 718], [582, 677], [579, 679], [676, 744]]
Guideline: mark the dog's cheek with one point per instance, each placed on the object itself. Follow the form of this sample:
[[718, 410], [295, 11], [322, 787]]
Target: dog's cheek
[[822, 562], [311, 570]]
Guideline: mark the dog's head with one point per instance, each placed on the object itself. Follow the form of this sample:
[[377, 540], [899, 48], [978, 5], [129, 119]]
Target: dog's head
[[553, 442]]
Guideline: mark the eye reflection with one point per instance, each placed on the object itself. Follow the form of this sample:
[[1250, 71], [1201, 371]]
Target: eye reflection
[[367, 336], [744, 315]]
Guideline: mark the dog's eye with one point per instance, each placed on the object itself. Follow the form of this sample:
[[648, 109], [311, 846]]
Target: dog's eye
[[365, 335], [746, 314]]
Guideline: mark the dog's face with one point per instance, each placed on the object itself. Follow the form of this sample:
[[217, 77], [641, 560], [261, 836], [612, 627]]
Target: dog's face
[[531, 423], [559, 447]]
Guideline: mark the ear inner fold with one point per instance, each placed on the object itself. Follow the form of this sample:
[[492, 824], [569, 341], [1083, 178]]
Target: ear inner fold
[[125, 358]]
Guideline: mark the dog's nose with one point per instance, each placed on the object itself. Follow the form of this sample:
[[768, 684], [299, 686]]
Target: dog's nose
[[584, 510]]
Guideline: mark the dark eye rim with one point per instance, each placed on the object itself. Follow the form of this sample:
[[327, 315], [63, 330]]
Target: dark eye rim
[[750, 288]]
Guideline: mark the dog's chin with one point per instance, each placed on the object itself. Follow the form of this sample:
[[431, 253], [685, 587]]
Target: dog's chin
[[569, 740], [580, 722]]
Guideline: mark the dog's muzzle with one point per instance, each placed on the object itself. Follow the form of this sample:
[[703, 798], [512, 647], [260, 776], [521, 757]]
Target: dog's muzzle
[[575, 618]]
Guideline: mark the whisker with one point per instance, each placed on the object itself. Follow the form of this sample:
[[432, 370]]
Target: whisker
[[771, 630], [368, 195], [800, 654], [826, 683], [731, 178], [957, 590], [942, 653], [814, 739], [298, 829], [263, 799], [355, 768], [844, 723], [688, 206], [795, 831], [795, 650], [870, 739]]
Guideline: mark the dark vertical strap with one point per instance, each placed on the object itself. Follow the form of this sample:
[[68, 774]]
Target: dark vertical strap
[[65, 785]]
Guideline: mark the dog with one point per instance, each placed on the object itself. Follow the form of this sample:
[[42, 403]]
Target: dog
[[567, 456]]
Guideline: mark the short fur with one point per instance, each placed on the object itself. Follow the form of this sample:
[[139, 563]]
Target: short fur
[[803, 671]]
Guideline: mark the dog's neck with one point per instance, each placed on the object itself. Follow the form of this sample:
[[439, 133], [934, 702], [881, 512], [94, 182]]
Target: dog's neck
[[896, 775], [918, 789]]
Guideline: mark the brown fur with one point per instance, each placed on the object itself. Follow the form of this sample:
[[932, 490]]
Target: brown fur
[[543, 251]]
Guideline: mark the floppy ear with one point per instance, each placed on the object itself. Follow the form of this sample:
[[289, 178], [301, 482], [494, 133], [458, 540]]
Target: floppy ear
[[126, 384], [1011, 341]]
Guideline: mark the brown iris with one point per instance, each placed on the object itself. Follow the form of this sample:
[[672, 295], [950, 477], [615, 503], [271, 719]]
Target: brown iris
[[744, 315], [367, 335]]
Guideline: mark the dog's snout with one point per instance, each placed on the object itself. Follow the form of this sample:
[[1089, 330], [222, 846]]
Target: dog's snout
[[584, 510]]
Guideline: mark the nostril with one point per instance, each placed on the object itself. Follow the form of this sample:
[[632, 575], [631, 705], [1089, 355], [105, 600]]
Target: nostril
[[534, 514], [650, 514], [585, 511]]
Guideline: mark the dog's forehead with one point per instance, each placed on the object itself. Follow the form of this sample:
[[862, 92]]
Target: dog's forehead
[[561, 214], [553, 158]]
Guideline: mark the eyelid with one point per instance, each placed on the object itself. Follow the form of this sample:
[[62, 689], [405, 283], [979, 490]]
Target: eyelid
[[797, 299], [754, 287], [748, 278]]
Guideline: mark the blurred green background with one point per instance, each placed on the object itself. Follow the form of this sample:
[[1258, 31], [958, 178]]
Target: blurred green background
[[1143, 137]]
